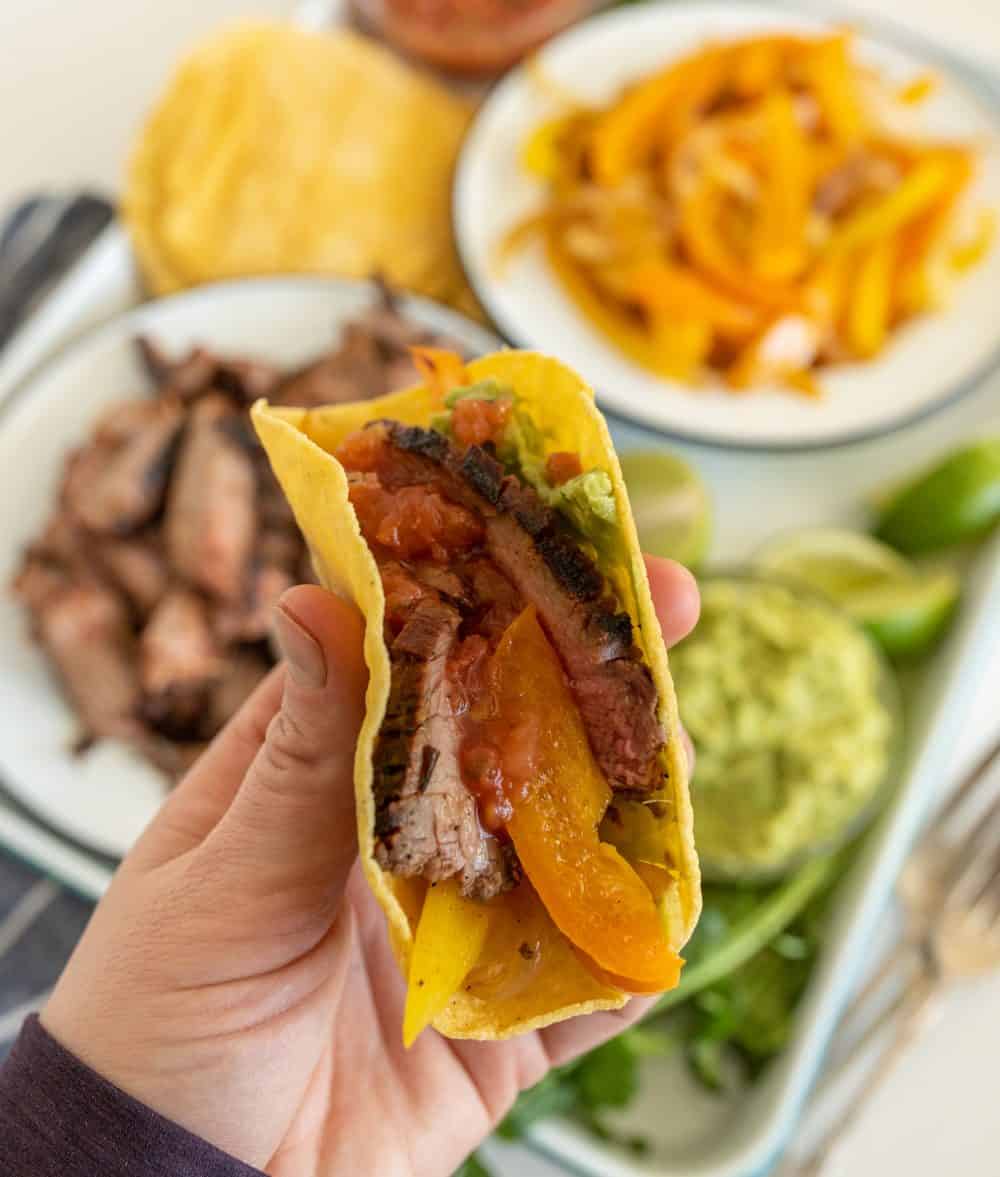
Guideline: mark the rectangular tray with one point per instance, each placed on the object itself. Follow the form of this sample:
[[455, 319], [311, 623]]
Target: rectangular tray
[[756, 495]]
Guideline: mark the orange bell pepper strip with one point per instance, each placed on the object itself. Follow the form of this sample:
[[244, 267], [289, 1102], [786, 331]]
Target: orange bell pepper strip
[[777, 242], [594, 897], [760, 64], [450, 937], [698, 229], [664, 288], [627, 132], [441, 369], [869, 304], [656, 351]]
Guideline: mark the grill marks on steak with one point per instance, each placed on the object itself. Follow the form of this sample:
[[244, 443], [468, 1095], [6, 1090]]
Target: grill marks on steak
[[426, 820], [528, 543]]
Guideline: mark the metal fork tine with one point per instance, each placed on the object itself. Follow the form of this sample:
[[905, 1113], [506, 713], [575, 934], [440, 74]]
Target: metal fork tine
[[969, 854], [986, 898], [976, 776]]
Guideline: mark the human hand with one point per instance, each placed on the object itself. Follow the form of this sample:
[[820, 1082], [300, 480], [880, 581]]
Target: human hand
[[237, 976]]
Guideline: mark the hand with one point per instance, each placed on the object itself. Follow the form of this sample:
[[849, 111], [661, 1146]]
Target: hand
[[237, 977]]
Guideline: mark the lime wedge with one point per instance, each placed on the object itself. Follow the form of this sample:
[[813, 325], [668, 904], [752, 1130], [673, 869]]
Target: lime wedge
[[954, 501], [671, 505], [832, 560], [907, 619], [905, 610]]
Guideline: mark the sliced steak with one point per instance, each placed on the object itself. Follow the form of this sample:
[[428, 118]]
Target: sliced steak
[[249, 620], [245, 671], [426, 821], [139, 569], [531, 547], [128, 490], [211, 525], [180, 661], [87, 633]]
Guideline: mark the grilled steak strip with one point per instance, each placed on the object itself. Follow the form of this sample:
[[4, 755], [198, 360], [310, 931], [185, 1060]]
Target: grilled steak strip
[[529, 544], [126, 489], [211, 523], [426, 822], [179, 663]]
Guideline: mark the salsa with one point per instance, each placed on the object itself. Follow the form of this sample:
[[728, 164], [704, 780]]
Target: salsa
[[472, 37], [785, 700]]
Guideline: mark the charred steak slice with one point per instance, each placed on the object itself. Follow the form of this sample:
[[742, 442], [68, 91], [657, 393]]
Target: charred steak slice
[[128, 489], [211, 521], [426, 821], [88, 634], [529, 544], [179, 662]]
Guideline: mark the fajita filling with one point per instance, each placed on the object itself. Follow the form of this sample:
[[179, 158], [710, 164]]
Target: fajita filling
[[478, 539]]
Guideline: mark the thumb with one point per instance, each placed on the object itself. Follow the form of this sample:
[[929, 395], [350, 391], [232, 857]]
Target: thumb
[[292, 822]]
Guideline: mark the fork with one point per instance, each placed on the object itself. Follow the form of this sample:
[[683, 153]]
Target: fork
[[950, 892]]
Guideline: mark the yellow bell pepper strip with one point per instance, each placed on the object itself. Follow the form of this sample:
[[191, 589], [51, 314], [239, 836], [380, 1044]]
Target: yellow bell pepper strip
[[927, 183], [826, 69], [665, 288], [923, 273], [441, 369], [450, 937], [918, 89], [970, 250], [626, 133], [870, 304], [777, 245], [593, 895]]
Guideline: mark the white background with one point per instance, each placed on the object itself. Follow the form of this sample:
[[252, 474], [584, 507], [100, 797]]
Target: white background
[[75, 78]]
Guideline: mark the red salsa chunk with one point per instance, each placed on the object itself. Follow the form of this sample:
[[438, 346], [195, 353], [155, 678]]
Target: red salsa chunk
[[475, 422], [561, 466]]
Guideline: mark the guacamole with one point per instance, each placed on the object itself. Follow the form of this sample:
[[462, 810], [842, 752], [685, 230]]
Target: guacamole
[[785, 701]]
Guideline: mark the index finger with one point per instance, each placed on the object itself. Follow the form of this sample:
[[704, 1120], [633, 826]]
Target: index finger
[[675, 596]]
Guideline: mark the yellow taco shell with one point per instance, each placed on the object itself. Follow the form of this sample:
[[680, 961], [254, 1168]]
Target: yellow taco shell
[[299, 444]]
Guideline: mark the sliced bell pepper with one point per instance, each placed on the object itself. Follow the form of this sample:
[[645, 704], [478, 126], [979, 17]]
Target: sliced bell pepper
[[869, 304], [450, 937], [592, 894], [658, 352], [929, 182], [826, 69], [664, 288], [629, 130], [441, 369], [700, 216], [777, 244]]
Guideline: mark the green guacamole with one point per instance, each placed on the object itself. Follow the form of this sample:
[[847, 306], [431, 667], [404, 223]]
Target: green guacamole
[[785, 702]]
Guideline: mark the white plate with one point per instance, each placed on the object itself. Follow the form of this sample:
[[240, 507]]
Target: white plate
[[104, 798], [930, 363]]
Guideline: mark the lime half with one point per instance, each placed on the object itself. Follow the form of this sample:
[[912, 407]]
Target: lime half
[[671, 505], [904, 609], [907, 619], [954, 501]]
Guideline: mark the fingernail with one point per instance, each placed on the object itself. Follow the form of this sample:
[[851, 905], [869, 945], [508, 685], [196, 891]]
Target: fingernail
[[304, 655]]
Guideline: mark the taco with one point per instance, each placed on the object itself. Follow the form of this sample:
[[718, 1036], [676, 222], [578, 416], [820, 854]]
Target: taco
[[522, 802]]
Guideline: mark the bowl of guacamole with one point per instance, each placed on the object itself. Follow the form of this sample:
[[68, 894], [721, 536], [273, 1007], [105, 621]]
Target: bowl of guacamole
[[796, 720]]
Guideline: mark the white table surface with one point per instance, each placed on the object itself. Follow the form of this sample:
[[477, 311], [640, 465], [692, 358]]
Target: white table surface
[[75, 78]]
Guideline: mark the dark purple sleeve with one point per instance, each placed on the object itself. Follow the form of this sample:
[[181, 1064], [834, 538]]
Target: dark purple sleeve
[[58, 1118]]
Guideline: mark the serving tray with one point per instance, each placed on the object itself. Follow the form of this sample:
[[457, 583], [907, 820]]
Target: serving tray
[[952, 717]]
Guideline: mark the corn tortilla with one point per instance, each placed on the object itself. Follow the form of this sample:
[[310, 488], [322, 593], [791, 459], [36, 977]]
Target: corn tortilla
[[299, 444]]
